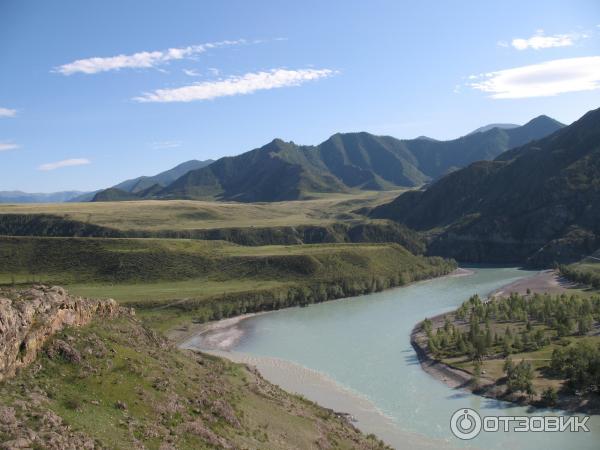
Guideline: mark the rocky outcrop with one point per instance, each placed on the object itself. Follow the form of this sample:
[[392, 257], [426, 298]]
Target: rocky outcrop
[[30, 317]]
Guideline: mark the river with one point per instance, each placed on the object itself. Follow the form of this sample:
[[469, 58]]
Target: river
[[354, 355]]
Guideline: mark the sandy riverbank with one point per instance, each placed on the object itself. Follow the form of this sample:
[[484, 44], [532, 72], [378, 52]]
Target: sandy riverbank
[[547, 281], [222, 335]]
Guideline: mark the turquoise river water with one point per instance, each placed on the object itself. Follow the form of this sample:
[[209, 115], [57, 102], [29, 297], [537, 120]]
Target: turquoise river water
[[354, 355]]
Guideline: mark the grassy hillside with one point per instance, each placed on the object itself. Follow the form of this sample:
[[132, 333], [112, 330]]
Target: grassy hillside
[[119, 385], [538, 203], [180, 279]]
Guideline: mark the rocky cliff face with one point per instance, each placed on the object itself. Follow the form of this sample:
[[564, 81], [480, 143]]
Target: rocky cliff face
[[29, 318]]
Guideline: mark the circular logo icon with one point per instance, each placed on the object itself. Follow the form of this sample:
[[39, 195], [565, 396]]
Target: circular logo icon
[[465, 424]]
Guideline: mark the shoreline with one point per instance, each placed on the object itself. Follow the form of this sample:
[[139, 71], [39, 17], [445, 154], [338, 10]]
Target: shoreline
[[224, 334], [219, 335], [346, 403], [547, 281]]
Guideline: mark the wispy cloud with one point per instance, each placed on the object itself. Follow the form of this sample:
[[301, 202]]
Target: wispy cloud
[[191, 72], [5, 146], [64, 163], [7, 112], [542, 80], [238, 85], [540, 41], [141, 60], [161, 145]]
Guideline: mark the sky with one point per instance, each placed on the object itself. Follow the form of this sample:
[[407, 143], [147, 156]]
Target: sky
[[95, 92]]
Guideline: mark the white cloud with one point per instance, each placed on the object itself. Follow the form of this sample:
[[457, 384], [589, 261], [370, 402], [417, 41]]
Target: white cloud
[[214, 71], [64, 163], [5, 146], [238, 85], [542, 80], [7, 112], [191, 72], [160, 145], [540, 41], [141, 60]]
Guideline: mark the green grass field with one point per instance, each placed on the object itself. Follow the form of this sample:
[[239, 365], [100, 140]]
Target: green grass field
[[177, 280]]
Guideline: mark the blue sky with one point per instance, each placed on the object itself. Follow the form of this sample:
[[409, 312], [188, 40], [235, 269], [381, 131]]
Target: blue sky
[[96, 92]]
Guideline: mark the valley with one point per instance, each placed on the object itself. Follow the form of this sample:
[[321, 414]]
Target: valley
[[340, 225], [386, 251]]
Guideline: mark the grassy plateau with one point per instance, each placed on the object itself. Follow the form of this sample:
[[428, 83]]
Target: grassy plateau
[[177, 215]]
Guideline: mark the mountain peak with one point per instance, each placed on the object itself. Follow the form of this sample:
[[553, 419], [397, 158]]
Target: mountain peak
[[425, 138], [543, 120], [491, 126]]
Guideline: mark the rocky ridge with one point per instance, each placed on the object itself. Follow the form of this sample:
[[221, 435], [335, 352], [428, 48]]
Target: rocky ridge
[[29, 318]]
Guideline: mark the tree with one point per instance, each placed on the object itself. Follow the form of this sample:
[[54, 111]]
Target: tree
[[427, 326], [549, 396], [508, 366], [476, 373], [520, 378], [584, 325]]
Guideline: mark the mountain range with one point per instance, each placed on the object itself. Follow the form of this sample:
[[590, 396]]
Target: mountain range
[[163, 179], [133, 185], [26, 197], [286, 171], [539, 202]]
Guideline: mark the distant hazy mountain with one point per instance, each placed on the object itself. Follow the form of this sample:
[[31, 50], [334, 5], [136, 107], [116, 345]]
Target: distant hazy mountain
[[138, 185], [85, 197], [163, 179], [427, 138], [539, 202], [25, 197], [143, 186], [113, 195], [503, 126], [286, 171]]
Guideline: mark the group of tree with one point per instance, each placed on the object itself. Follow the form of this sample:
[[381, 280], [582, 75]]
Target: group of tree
[[576, 273], [519, 377], [579, 365], [333, 286], [509, 325]]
